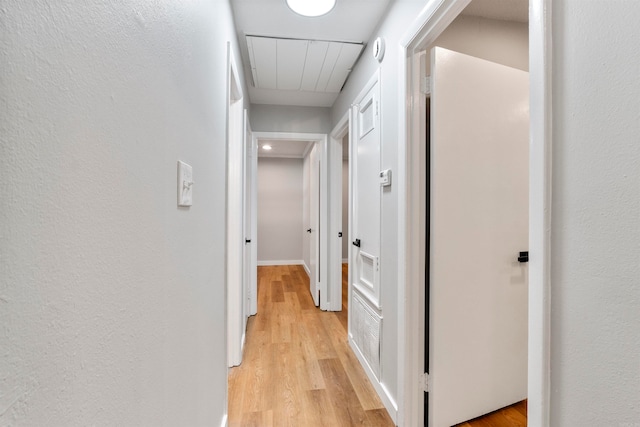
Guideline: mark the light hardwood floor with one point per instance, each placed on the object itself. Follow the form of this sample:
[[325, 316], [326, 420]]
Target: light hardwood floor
[[298, 369]]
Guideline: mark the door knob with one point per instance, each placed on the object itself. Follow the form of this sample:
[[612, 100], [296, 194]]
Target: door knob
[[356, 243], [247, 240], [524, 256], [308, 230], [339, 233]]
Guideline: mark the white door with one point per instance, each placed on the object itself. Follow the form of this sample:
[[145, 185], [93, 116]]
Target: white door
[[479, 223], [314, 224], [365, 227], [249, 274]]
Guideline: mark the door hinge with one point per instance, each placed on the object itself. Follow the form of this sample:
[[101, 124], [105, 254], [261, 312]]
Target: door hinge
[[424, 382], [425, 85]]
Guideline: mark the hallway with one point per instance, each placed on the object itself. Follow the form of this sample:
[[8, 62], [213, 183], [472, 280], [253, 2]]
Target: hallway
[[298, 369]]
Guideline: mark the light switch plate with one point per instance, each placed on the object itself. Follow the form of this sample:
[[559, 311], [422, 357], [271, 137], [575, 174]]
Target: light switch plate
[[385, 177], [185, 184]]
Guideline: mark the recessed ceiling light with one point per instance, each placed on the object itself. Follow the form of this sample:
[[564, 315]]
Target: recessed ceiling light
[[266, 147], [311, 7]]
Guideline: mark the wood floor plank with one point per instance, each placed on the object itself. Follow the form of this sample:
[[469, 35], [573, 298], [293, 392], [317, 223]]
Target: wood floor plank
[[293, 371]]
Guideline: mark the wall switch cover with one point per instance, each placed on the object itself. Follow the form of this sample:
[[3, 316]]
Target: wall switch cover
[[185, 184], [385, 177]]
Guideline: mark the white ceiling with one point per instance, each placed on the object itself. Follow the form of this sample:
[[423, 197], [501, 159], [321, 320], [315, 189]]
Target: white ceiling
[[273, 18], [284, 148]]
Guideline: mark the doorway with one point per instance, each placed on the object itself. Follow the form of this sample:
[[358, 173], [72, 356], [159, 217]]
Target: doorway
[[418, 185], [303, 154]]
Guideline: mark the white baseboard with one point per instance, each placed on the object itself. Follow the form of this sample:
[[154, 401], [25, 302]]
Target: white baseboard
[[345, 260], [306, 268], [281, 262], [389, 403], [224, 421]]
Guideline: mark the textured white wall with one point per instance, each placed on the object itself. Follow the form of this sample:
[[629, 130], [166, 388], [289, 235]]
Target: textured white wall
[[595, 252], [280, 198], [110, 295]]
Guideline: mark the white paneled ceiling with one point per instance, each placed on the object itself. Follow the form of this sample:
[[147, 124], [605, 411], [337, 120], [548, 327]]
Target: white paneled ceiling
[[300, 65], [351, 21]]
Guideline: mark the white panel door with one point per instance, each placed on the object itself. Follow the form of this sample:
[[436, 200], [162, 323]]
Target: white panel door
[[314, 224], [365, 230], [479, 223], [249, 276]]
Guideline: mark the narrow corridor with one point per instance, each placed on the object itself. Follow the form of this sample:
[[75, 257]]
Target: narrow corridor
[[298, 369]]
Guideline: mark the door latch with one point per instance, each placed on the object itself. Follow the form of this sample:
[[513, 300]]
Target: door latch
[[524, 256], [339, 233], [308, 230], [356, 243]]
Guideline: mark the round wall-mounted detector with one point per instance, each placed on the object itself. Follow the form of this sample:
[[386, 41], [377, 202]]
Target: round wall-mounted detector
[[378, 49], [311, 7]]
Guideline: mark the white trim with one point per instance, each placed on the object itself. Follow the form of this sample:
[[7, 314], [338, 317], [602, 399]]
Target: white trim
[[321, 140], [433, 19], [389, 403], [540, 190], [335, 212], [234, 226], [223, 423], [281, 262], [306, 269]]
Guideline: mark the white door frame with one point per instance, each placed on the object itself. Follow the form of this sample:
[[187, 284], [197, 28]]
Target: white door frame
[[236, 301], [335, 212], [321, 141], [429, 24]]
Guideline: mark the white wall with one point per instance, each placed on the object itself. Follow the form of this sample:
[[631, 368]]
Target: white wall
[[110, 295], [281, 118], [502, 42], [400, 15], [280, 227], [595, 252]]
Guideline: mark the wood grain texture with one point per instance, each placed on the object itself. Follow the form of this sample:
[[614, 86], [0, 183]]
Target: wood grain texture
[[298, 369]]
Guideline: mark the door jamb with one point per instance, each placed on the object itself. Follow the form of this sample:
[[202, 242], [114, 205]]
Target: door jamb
[[321, 140], [335, 215], [234, 229], [432, 20]]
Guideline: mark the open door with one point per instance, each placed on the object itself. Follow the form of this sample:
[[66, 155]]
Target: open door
[[314, 224], [250, 272], [479, 224]]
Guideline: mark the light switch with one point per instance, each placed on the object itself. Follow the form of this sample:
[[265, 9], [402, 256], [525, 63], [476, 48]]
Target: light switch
[[385, 177], [185, 184]]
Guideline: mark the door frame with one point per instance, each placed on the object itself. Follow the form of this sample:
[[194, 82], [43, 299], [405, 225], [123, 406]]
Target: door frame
[[429, 24], [335, 211], [234, 239], [321, 141]]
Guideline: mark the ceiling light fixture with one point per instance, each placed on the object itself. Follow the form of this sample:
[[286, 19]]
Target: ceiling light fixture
[[266, 147], [311, 7]]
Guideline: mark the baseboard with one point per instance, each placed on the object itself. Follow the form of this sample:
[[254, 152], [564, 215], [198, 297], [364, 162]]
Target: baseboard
[[307, 270], [224, 421], [389, 403], [345, 260], [281, 262]]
